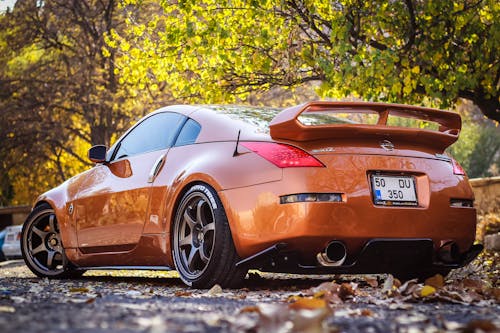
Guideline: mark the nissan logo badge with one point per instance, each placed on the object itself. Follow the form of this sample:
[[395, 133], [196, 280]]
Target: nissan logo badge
[[387, 145]]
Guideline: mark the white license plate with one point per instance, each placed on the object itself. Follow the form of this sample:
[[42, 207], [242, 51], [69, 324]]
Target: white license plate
[[394, 190]]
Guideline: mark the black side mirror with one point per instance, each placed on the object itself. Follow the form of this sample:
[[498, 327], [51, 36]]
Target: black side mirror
[[97, 154]]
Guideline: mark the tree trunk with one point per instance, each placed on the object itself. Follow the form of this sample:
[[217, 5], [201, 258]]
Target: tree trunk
[[490, 107]]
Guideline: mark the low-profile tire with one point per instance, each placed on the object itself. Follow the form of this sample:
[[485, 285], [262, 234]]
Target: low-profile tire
[[202, 245], [42, 247]]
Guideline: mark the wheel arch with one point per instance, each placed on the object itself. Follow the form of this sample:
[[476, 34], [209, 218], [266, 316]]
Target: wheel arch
[[43, 202], [57, 199], [227, 275], [200, 179], [215, 165]]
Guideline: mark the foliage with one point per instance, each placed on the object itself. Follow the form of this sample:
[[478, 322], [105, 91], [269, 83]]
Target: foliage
[[488, 224], [59, 91], [75, 73], [478, 147], [406, 51]]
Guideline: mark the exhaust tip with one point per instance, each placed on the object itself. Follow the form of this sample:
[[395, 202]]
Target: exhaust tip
[[334, 255]]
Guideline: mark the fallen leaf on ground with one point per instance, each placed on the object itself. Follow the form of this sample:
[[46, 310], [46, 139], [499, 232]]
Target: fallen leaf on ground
[[90, 300], [495, 292], [306, 315], [347, 290], [388, 286], [473, 284], [371, 281], [367, 313], [332, 292], [427, 290], [250, 309], [481, 326], [410, 288], [9, 309], [436, 281], [308, 303], [310, 321], [215, 290], [183, 293]]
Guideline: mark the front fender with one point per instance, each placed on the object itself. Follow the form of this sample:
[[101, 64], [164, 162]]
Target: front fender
[[60, 198]]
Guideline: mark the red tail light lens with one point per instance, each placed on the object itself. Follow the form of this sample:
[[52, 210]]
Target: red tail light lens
[[457, 168], [283, 156]]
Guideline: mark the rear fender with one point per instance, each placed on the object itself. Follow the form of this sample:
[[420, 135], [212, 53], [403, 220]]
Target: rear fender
[[212, 164]]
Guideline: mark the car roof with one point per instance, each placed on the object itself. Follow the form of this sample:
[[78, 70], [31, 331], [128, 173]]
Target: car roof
[[226, 122]]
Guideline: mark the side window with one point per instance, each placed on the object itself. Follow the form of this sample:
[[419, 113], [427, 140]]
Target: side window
[[188, 134], [154, 133]]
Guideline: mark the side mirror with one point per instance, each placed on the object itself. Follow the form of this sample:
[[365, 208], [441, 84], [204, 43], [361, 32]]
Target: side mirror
[[97, 154]]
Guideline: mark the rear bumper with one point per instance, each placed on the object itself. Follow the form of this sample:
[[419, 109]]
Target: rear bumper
[[377, 256], [259, 218]]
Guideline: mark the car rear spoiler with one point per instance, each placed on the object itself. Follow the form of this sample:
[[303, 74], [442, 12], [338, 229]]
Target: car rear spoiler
[[287, 126]]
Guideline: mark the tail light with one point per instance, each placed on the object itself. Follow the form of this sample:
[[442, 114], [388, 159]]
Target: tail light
[[457, 168], [282, 155]]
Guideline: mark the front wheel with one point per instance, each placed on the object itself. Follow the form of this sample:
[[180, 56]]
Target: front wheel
[[42, 247], [203, 248]]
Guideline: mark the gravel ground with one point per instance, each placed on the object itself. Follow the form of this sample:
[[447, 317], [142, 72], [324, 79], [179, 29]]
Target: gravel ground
[[146, 301]]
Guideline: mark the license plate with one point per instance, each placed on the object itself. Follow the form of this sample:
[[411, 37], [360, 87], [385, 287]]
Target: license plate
[[394, 190]]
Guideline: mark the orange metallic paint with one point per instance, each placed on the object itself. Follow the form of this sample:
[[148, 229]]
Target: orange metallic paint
[[110, 210], [286, 125], [128, 220], [259, 220]]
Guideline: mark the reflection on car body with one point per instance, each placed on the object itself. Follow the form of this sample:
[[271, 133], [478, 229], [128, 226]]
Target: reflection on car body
[[213, 191]]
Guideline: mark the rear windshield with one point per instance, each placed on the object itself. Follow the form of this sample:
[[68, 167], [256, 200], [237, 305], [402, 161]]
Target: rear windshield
[[258, 117]]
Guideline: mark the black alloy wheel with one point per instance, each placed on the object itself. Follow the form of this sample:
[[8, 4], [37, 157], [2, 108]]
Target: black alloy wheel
[[203, 249], [42, 247]]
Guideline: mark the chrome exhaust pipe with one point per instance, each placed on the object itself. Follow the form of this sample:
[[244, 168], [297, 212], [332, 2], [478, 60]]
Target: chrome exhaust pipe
[[448, 252], [334, 255]]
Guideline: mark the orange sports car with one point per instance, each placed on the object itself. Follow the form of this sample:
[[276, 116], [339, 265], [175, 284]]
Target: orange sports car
[[213, 191]]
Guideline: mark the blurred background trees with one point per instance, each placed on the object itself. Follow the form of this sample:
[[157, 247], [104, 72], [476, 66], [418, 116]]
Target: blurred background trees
[[77, 72], [59, 91]]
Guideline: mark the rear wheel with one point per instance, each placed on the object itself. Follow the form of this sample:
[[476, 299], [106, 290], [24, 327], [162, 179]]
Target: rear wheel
[[42, 247], [203, 248]]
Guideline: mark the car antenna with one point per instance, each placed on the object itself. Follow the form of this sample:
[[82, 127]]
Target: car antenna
[[236, 153]]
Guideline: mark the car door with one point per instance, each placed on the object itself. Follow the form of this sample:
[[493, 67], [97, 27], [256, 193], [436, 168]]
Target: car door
[[111, 207]]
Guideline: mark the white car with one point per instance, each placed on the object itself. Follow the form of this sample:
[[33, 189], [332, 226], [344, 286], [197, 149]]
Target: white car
[[11, 247]]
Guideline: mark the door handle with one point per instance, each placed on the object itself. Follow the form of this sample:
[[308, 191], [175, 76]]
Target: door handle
[[155, 170]]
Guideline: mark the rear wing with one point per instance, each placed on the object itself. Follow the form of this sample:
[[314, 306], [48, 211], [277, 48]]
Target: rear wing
[[286, 125]]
